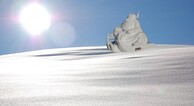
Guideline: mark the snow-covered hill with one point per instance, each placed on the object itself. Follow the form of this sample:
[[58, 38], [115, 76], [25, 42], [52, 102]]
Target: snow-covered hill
[[93, 76]]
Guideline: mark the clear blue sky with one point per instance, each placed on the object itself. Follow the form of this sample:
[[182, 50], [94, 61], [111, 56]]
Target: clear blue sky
[[163, 21]]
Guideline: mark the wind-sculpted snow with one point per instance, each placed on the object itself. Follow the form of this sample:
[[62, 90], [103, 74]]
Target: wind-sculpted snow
[[94, 76]]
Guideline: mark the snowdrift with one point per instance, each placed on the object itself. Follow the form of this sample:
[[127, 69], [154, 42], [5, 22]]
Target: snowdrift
[[94, 76]]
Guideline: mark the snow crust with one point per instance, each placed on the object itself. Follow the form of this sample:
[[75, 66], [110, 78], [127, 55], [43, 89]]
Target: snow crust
[[94, 76]]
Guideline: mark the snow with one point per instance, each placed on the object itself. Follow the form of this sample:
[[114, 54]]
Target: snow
[[93, 76]]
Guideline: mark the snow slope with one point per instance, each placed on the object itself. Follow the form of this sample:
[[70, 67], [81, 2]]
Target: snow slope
[[93, 76]]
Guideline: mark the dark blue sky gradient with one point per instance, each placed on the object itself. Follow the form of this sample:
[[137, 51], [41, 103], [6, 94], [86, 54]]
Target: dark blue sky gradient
[[163, 21]]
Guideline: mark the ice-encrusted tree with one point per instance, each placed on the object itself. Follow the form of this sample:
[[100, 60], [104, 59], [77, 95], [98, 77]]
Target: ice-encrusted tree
[[128, 37]]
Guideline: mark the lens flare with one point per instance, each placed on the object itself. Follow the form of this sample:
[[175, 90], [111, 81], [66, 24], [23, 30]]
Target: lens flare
[[62, 34]]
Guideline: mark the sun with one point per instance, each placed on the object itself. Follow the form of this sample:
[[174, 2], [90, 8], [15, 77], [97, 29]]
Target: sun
[[35, 18]]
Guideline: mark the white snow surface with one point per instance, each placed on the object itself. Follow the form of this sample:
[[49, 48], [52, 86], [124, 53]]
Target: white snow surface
[[93, 76]]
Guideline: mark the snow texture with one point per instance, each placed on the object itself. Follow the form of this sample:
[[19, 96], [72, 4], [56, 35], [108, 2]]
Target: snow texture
[[93, 76]]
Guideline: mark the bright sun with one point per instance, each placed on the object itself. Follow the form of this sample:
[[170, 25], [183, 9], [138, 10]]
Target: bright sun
[[35, 18]]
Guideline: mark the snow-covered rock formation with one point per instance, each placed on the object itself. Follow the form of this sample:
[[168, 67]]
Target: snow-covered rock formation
[[128, 37]]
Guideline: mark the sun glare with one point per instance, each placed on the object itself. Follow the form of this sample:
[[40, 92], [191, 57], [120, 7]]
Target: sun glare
[[35, 18]]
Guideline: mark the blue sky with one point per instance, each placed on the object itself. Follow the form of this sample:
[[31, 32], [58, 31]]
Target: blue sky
[[163, 21]]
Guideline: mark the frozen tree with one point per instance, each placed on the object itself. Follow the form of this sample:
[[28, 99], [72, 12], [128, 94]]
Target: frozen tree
[[128, 37]]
